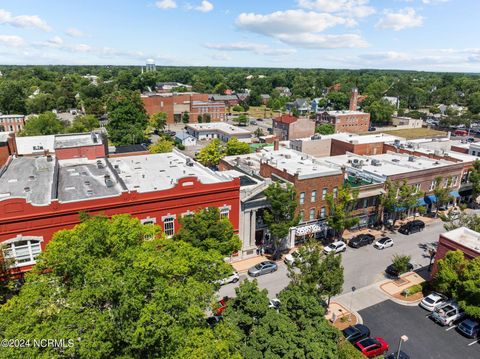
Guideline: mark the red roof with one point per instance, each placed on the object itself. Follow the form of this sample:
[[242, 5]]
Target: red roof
[[286, 119]]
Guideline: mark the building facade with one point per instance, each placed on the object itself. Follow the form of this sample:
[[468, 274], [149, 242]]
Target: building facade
[[288, 127], [12, 123]]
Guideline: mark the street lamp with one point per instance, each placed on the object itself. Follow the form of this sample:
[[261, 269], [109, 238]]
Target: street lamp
[[403, 338]]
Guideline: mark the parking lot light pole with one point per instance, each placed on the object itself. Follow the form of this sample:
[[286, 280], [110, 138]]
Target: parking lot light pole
[[403, 338]]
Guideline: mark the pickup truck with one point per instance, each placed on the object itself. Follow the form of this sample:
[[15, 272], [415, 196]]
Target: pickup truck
[[447, 314]]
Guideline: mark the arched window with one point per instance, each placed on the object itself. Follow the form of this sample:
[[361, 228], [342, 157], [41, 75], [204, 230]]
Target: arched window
[[23, 250]]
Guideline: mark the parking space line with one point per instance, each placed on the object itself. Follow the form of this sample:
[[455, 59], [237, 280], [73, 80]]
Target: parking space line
[[452, 327], [476, 341]]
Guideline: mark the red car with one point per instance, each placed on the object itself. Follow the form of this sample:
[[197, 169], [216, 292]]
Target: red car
[[372, 347], [222, 304]]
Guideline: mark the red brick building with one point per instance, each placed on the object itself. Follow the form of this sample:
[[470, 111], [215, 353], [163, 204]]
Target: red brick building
[[7, 146], [288, 127], [462, 239], [40, 195], [174, 105], [12, 123]]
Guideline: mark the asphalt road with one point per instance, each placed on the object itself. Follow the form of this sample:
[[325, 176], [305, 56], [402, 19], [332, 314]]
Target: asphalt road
[[362, 266], [426, 339]]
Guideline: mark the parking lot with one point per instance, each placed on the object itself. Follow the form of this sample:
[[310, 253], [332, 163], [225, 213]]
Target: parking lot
[[426, 339]]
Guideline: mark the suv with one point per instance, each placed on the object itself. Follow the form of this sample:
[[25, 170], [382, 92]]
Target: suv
[[412, 227], [447, 313], [393, 272], [469, 328], [335, 247], [356, 332], [361, 240]]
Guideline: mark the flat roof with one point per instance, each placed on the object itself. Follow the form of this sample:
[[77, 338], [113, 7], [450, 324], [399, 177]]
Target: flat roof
[[155, 172], [218, 126], [346, 112], [78, 140], [30, 178], [35, 144], [354, 138], [81, 179], [465, 237]]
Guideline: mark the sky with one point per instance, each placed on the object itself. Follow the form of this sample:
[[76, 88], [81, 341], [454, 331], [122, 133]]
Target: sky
[[430, 35]]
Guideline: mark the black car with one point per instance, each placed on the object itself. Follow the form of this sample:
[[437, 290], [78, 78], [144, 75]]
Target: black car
[[361, 240], [393, 272], [412, 227], [214, 320], [356, 333], [395, 355]]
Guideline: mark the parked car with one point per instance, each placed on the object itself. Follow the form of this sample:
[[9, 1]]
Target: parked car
[[214, 320], [253, 122], [396, 355], [262, 268], [361, 240], [460, 133], [259, 119], [393, 272], [232, 278], [470, 139], [412, 227], [291, 258], [432, 301], [447, 314], [335, 247], [371, 129], [355, 333], [383, 243], [469, 328], [372, 347], [274, 303]]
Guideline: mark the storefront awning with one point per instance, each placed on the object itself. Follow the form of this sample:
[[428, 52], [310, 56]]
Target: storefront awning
[[399, 209], [371, 193], [308, 229], [430, 199], [455, 194], [421, 202]]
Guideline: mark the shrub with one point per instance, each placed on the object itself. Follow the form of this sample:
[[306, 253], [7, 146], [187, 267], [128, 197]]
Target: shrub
[[412, 290]]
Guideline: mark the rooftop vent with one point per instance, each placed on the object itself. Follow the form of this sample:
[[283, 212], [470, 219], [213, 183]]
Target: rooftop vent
[[31, 178], [376, 162], [395, 160], [26, 189], [411, 158], [49, 158], [189, 162], [89, 192]]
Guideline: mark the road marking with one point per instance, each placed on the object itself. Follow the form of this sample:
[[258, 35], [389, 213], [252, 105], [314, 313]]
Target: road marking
[[452, 327], [476, 341]]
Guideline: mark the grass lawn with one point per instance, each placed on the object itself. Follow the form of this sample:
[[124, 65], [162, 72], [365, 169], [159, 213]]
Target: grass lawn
[[412, 133], [259, 112]]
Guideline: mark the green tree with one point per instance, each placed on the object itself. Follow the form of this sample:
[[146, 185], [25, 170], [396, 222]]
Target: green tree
[[398, 197], [127, 118], [236, 147], [442, 192], [220, 88], [317, 274], [85, 123], [12, 97], [242, 120], [325, 129], [473, 102], [186, 117], [44, 124], [381, 111], [258, 132], [207, 118], [6, 283], [340, 209], [400, 263], [162, 145], [468, 288], [112, 282], [474, 179], [280, 215], [158, 121], [211, 154], [40, 103], [205, 229]]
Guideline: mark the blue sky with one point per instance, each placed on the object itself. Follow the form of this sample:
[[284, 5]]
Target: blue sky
[[434, 35]]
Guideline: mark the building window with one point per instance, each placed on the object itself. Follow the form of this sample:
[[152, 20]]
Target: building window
[[454, 180], [432, 186], [302, 216], [323, 212], [324, 193], [314, 197], [445, 183], [417, 187], [224, 213], [23, 250], [149, 220], [169, 226], [312, 214], [335, 192], [302, 197]]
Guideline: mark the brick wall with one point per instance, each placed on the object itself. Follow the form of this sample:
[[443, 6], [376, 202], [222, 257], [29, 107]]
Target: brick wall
[[352, 123], [301, 128], [340, 147], [446, 245]]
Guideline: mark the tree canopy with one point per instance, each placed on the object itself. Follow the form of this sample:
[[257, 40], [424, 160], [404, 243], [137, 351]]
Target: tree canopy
[[340, 208], [44, 124]]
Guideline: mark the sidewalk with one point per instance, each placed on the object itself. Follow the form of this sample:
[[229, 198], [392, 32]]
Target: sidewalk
[[405, 281], [243, 265]]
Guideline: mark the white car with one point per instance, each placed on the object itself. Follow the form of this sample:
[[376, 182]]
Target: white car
[[383, 243], [291, 258], [432, 301], [274, 303], [447, 314], [232, 278], [335, 247]]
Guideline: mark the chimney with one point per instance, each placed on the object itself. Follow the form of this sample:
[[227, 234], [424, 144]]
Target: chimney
[[276, 144], [353, 99]]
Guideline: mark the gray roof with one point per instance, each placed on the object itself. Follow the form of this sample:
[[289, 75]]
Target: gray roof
[[183, 135]]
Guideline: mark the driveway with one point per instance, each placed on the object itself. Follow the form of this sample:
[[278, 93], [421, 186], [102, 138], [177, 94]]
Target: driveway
[[426, 339]]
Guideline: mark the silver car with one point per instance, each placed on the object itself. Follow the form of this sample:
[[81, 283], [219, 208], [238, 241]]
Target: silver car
[[262, 268]]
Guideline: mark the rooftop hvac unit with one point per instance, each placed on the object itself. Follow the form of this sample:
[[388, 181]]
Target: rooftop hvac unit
[[189, 162], [49, 158], [376, 162], [411, 158], [395, 160], [396, 142]]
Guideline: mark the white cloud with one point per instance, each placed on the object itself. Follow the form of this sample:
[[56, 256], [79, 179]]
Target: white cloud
[[74, 32], [401, 19], [350, 8], [11, 40], [301, 28], [433, 2], [221, 57], [26, 21], [260, 49], [56, 40], [205, 6], [166, 4]]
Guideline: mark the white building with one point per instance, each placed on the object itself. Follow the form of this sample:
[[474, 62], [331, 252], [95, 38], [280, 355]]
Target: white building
[[220, 130]]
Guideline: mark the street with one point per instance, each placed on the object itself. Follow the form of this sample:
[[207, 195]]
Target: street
[[362, 266]]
